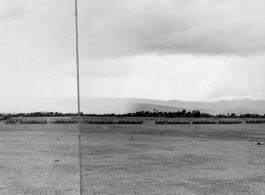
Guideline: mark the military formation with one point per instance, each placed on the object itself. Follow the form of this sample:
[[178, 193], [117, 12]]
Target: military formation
[[200, 122], [125, 121], [26, 121], [64, 121], [161, 122], [114, 121], [204, 122], [75, 121], [40, 121], [11, 121], [255, 121], [230, 122]]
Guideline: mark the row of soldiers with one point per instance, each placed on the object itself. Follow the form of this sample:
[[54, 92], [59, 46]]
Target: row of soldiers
[[65, 121], [11, 121], [73, 121], [217, 122], [198, 122], [115, 121], [41, 121], [255, 121], [204, 122], [172, 122], [126, 121], [230, 122], [25, 121]]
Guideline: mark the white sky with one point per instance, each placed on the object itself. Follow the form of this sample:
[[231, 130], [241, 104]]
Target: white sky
[[158, 49]]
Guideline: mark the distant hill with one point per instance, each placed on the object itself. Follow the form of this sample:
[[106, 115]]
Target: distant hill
[[239, 111], [237, 106], [94, 105], [136, 107]]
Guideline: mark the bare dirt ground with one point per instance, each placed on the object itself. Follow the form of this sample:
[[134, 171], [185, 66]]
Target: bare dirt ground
[[133, 159]]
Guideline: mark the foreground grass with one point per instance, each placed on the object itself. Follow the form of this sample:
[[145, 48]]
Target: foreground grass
[[133, 159], [29, 157], [174, 159]]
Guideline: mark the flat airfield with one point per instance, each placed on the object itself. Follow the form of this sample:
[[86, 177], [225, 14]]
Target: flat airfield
[[133, 159]]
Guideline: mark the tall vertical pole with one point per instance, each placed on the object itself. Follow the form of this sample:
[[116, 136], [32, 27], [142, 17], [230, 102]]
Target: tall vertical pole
[[78, 102]]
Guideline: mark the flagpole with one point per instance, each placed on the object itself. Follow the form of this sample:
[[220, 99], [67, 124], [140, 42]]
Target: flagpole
[[78, 101]]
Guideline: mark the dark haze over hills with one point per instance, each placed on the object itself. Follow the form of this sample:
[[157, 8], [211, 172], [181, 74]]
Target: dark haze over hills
[[91, 105]]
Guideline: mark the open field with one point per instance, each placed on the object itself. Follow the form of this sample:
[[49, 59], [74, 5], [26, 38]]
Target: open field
[[133, 159]]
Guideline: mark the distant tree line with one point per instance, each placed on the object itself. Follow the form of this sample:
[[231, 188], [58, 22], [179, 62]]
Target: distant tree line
[[233, 115], [155, 113], [183, 113]]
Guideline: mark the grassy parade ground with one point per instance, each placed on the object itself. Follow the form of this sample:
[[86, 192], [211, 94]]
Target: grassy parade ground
[[128, 159]]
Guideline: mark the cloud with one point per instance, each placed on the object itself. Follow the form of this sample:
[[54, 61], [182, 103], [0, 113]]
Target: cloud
[[12, 10], [120, 28], [124, 28], [183, 77], [170, 49], [233, 78]]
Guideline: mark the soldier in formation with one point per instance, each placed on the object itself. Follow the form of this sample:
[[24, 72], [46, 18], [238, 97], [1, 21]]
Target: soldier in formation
[[230, 122], [172, 122], [64, 121], [255, 121], [204, 122], [26, 121], [114, 121]]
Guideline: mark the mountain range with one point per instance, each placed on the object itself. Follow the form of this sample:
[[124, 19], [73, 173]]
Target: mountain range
[[93, 105]]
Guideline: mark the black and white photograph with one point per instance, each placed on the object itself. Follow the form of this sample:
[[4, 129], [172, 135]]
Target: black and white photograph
[[132, 97]]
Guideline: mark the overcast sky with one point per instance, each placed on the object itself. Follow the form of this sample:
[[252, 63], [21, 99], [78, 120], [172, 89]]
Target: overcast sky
[[194, 50]]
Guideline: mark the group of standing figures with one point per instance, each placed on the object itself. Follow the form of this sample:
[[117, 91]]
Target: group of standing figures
[[116, 121], [208, 121], [25, 121], [75, 121], [125, 121]]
